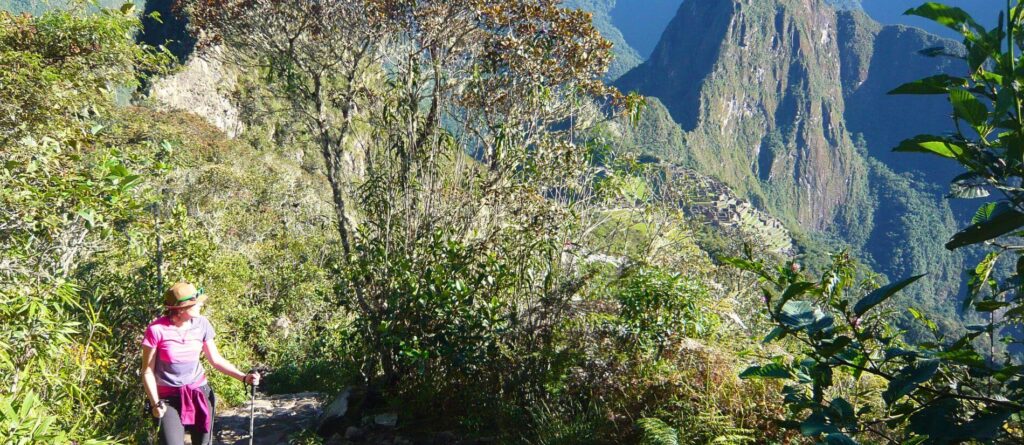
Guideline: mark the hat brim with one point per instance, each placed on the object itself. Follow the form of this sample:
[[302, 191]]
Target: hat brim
[[200, 299]]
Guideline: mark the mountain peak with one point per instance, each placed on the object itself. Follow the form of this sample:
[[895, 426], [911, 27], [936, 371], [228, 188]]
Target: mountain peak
[[770, 96], [758, 89]]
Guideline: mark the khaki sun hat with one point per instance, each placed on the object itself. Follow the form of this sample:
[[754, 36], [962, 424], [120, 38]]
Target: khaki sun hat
[[182, 295]]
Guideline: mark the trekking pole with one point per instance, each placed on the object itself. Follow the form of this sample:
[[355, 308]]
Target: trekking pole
[[252, 409]]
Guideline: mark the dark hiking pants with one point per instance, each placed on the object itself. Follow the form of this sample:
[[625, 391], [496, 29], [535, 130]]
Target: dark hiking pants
[[172, 432]]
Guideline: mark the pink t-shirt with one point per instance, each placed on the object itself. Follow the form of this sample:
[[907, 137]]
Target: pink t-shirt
[[178, 351]]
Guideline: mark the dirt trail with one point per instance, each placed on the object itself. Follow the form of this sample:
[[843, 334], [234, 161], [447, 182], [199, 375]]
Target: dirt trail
[[277, 418]]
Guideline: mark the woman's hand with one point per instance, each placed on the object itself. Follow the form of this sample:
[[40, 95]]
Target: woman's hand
[[159, 409], [252, 378]]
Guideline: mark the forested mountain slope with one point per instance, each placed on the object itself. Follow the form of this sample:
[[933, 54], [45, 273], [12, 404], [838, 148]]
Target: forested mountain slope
[[876, 59], [785, 101]]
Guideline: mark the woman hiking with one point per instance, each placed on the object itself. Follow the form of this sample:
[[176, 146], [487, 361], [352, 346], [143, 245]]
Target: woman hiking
[[172, 375]]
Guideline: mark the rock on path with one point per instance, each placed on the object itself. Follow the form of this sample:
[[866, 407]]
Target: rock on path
[[277, 418]]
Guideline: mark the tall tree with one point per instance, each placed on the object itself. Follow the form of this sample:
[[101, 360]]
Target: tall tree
[[452, 117]]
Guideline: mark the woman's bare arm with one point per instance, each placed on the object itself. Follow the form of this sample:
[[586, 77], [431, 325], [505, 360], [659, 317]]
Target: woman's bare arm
[[149, 378], [223, 365]]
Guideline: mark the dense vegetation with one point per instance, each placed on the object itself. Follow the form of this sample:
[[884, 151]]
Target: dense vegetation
[[951, 388], [444, 202], [785, 102], [480, 275]]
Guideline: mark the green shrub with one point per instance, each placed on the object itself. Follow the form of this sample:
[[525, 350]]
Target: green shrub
[[71, 191], [934, 391], [25, 420], [565, 424], [656, 305]]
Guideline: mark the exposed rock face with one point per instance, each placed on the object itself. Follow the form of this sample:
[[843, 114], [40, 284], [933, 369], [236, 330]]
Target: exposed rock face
[[785, 102], [757, 86], [201, 87], [770, 94]]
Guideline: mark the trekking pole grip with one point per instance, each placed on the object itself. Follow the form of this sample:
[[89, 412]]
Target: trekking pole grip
[[251, 384]]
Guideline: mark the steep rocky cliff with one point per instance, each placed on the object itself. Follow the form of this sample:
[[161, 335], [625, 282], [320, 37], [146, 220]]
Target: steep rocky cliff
[[785, 101], [757, 85]]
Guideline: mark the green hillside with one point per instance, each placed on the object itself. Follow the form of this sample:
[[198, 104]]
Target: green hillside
[[436, 223], [503, 293], [774, 111]]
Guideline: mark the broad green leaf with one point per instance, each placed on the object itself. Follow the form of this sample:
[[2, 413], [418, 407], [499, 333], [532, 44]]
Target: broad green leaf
[[797, 314], [909, 378], [951, 17], [990, 305], [968, 185], [969, 108], [842, 410], [937, 420], [796, 289], [747, 265], [831, 347], [821, 374], [980, 276], [940, 84], [881, 294], [923, 319], [860, 360], [932, 144], [967, 357], [776, 333], [990, 77], [978, 53], [891, 353], [1015, 312], [89, 215], [1008, 373], [769, 371], [984, 213], [985, 427], [822, 322], [804, 315], [816, 424], [937, 51], [795, 395], [1001, 220], [967, 192], [1004, 103]]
